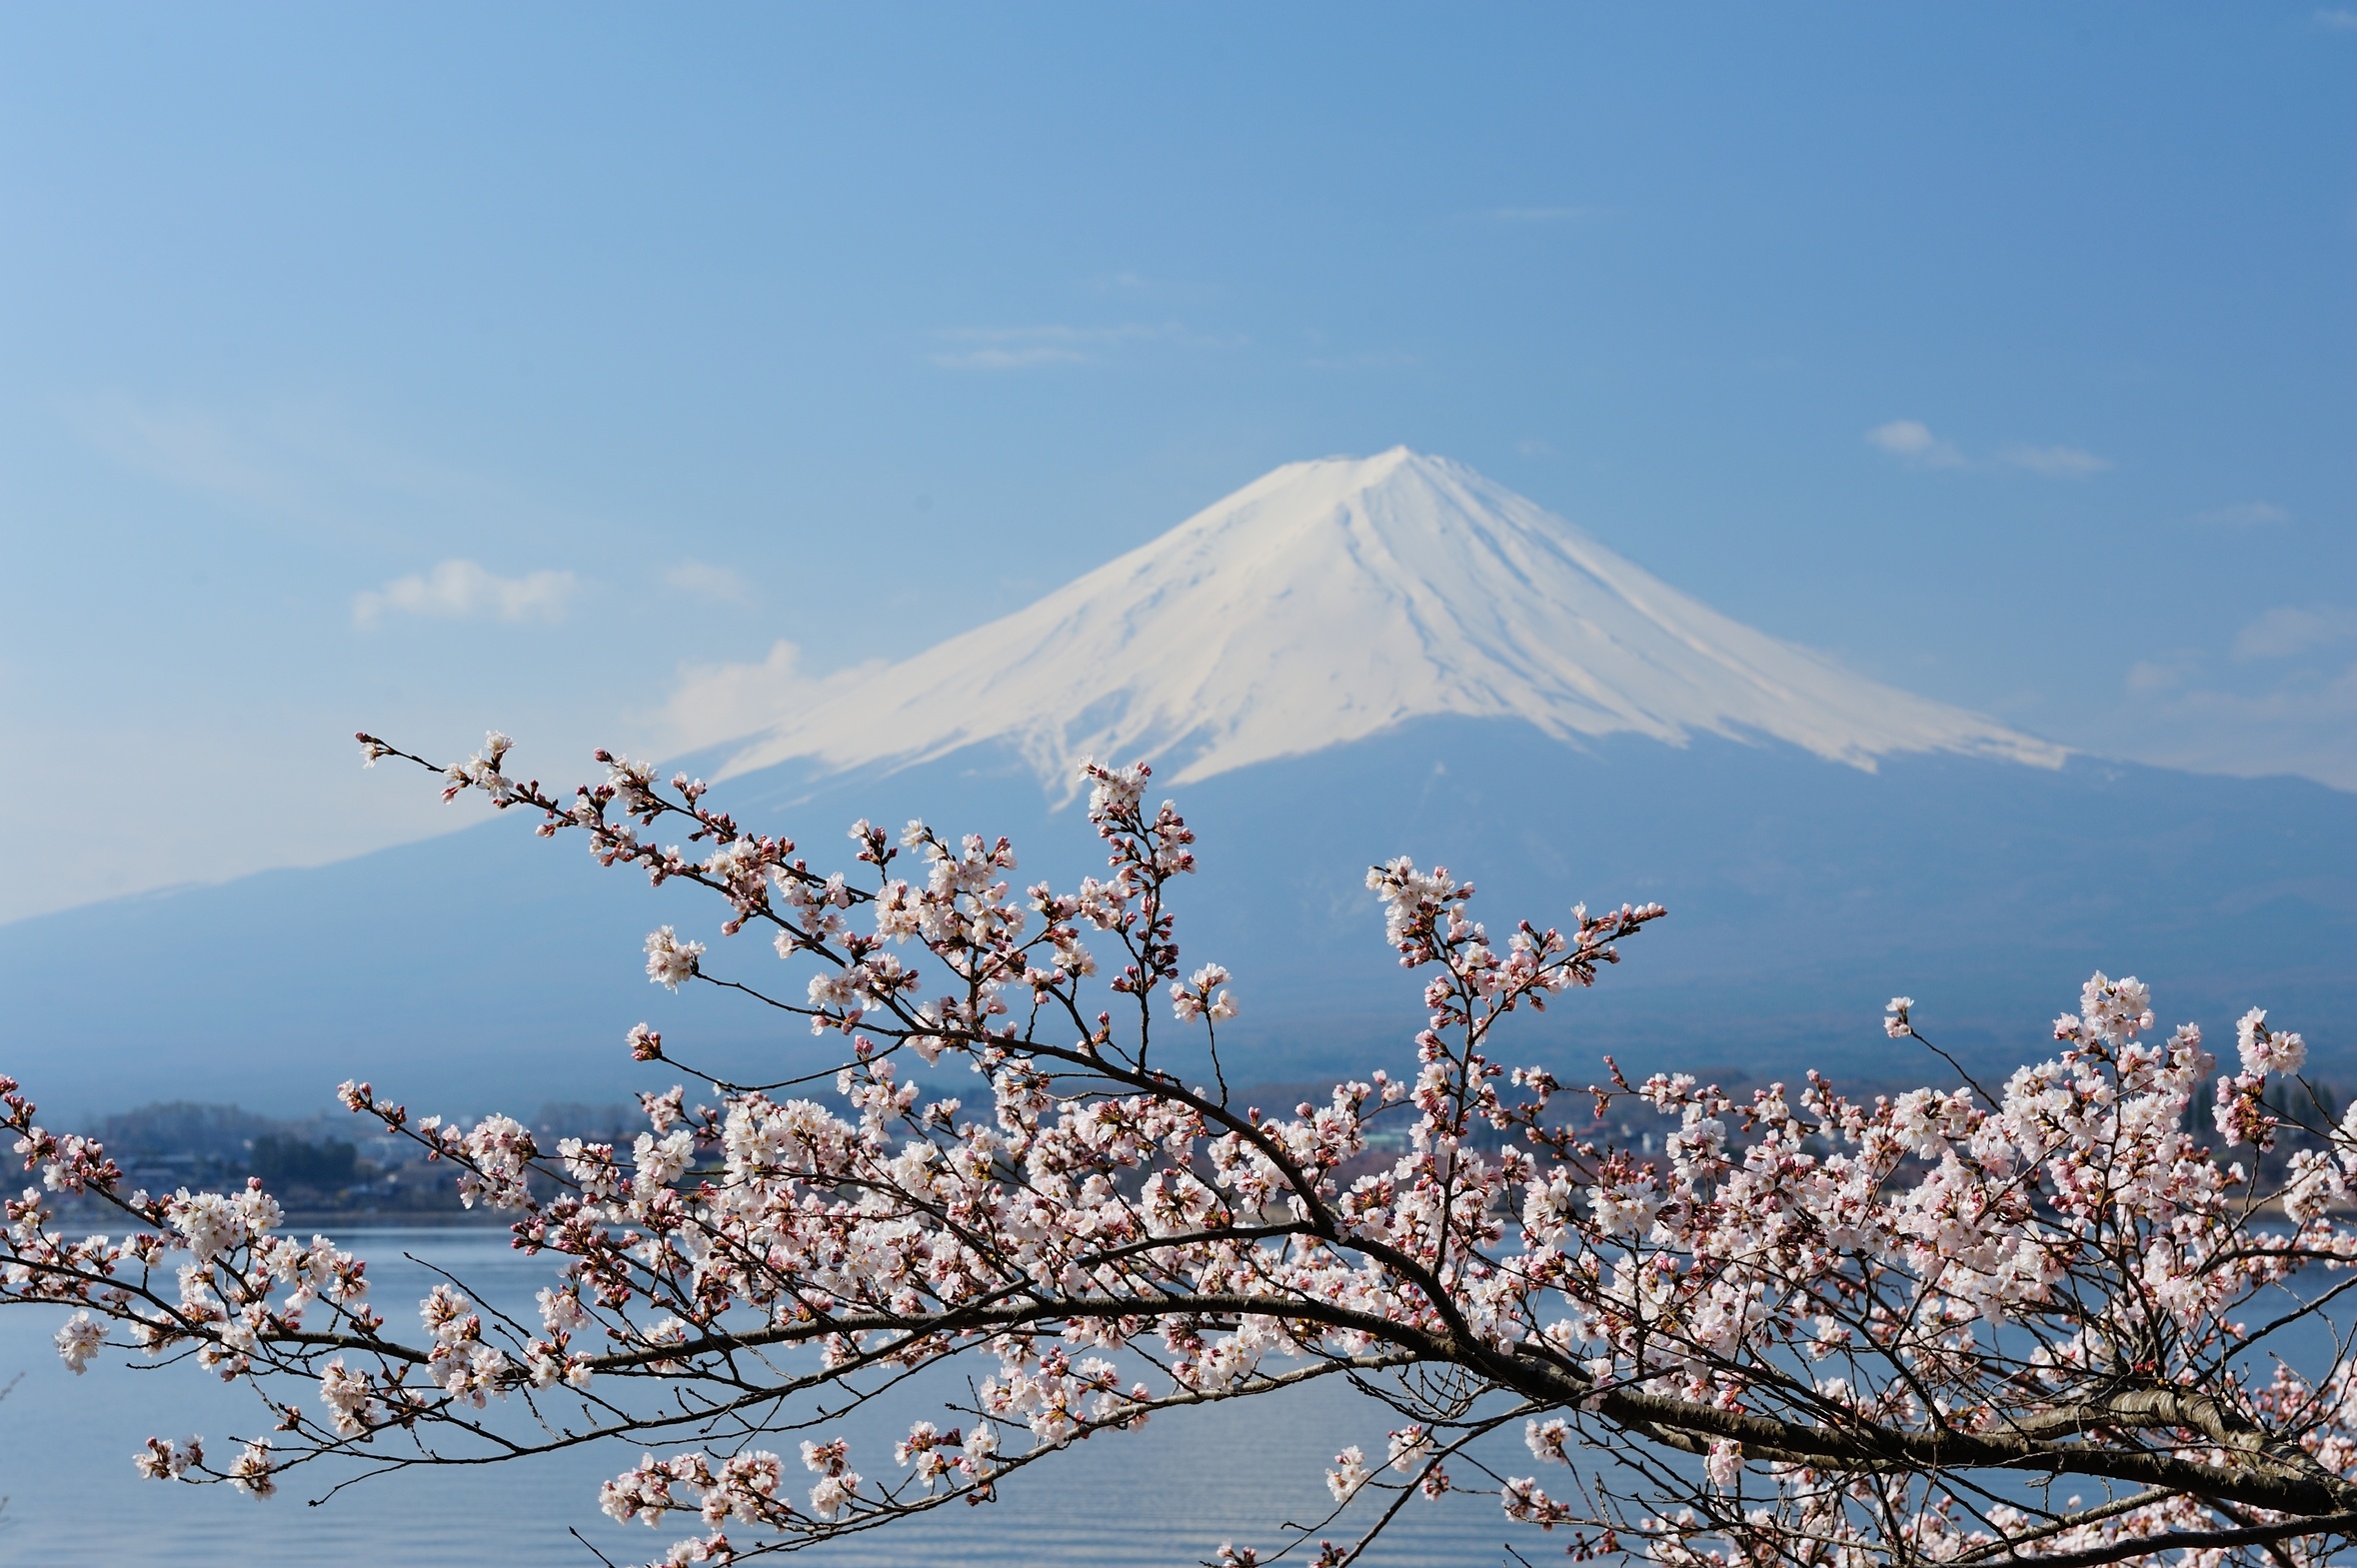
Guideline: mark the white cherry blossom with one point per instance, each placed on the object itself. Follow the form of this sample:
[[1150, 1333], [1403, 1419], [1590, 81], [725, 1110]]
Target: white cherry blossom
[[2045, 1318]]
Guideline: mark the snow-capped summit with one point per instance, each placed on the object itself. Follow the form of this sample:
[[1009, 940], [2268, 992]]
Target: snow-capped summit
[[1330, 600]]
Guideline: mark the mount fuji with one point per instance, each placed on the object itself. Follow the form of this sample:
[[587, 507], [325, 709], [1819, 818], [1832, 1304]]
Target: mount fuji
[[1342, 661], [1330, 602]]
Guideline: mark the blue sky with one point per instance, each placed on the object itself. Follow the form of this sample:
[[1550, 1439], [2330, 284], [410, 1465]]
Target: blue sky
[[429, 367]]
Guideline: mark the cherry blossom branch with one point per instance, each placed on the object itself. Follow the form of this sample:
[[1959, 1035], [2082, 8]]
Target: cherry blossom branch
[[1809, 1328]]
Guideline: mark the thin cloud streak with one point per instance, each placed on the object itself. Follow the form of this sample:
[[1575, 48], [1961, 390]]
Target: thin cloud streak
[[1373, 359], [2299, 724], [1010, 359], [180, 446], [1545, 214], [1911, 441], [2285, 700], [2243, 514], [2288, 631], [2055, 462], [1023, 348]]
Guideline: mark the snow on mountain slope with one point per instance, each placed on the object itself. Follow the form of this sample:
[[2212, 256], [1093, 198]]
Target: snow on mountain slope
[[1330, 600]]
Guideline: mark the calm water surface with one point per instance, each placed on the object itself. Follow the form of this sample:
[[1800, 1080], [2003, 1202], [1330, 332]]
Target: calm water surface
[[1167, 1494]]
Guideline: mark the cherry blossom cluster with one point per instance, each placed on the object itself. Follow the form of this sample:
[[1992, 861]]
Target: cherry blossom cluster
[[2082, 1316]]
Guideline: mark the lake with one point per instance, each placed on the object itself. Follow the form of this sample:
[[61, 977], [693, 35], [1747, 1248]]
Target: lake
[[1170, 1493]]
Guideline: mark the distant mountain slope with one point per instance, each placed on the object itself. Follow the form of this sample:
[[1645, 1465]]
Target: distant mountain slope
[[1329, 601], [1344, 661], [481, 968], [1801, 894]]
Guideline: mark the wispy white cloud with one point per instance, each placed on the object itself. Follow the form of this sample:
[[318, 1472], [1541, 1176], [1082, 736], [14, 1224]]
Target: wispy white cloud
[[2055, 462], [2284, 700], [2334, 19], [715, 702], [723, 585], [1371, 359], [1913, 441], [301, 469], [2151, 676], [1145, 286], [463, 591], [1025, 348], [1010, 359], [180, 446], [2304, 722], [1545, 214], [2287, 631], [2243, 514]]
